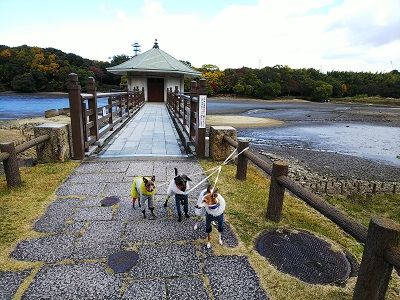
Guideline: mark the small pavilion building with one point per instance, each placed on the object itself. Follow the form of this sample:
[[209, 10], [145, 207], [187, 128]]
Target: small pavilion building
[[155, 71]]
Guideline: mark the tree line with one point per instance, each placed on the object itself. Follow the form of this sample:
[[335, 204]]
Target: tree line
[[281, 81], [34, 69]]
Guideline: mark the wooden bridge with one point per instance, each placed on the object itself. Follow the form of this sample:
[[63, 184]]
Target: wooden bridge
[[174, 129]]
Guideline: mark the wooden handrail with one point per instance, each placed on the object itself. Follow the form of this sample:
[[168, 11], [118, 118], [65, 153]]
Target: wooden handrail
[[392, 255], [33, 142], [4, 156], [381, 239], [356, 230]]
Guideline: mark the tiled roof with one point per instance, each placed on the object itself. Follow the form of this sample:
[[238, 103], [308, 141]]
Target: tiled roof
[[155, 61]]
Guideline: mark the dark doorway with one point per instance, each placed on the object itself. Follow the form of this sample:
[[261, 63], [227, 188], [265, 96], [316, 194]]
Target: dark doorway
[[155, 89]]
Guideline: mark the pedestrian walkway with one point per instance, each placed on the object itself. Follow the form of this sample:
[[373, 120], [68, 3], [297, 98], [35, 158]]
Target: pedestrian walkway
[[80, 238], [149, 133]]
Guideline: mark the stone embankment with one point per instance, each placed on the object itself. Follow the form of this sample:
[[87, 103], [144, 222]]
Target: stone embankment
[[326, 183]]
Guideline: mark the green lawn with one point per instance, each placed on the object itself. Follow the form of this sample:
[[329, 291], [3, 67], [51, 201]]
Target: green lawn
[[246, 206]]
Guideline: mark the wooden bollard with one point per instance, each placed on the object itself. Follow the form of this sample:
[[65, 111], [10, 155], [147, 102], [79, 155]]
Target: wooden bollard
[[375, 271], [241, 169], [11, 167], [276, 191]]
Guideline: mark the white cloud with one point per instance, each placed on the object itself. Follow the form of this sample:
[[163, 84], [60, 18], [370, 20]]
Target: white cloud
[[353, 35]]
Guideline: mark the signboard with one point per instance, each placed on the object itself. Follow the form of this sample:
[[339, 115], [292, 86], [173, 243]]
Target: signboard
[[105, 112], [202, 110]]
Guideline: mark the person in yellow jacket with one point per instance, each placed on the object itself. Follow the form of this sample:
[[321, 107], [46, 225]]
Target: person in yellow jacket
[[144, 189]]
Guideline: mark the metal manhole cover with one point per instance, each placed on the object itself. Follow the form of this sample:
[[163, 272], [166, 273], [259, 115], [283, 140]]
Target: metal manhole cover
[[122, 261], [109, 201], [304, 256]]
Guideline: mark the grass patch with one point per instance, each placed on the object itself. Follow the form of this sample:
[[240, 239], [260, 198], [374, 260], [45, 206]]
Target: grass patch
[[20, 207], [246, 207], [368, 100], [363, 208]]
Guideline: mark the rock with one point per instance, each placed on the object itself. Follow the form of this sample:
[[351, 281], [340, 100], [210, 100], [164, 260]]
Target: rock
[[51, 113], [57, 147]]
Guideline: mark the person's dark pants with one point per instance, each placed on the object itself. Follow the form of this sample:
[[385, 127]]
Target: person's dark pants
[[219, 219], [181, 199]]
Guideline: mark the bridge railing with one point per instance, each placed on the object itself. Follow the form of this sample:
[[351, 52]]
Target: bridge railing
[[89, 122], [381, 240], [189, 110], [9, 158]]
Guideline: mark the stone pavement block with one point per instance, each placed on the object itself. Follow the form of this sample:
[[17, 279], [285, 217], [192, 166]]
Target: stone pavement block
[[120, 189], [86, 189], [79, 281], [162, 230], [89, 167], [84, 250], [95, 178], [93, 214], [48, 249], [74, 228], [186, 288], [153, 289], [116, 166], [229, 237], [232, 277], [125, 212], [56, 215], [160, 173], [166, 260], [91, 202], [103, 232], [9, 283], [140, 168]]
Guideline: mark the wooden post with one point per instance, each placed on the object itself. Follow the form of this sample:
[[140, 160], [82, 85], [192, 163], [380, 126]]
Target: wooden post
[[11, 167], [75, 106], [110, 112], [201, 119], [241, 169], [92, 105], [193, 110], [375, 271], [276, 191], [120, 105]]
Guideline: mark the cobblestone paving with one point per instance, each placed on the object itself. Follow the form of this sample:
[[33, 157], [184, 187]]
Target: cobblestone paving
[[78, 235]]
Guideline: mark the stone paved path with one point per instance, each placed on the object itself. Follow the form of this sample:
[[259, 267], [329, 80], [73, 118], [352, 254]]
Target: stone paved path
[[79, 235], [149, 133]]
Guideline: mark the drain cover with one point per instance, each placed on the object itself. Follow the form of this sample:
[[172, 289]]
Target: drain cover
[[122, 261], [109, 201], [304, 256]]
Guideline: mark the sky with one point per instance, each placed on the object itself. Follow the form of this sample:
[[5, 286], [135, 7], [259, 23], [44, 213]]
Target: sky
[[342, 35]]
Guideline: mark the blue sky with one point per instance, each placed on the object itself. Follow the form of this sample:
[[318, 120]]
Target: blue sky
[[359, 35]]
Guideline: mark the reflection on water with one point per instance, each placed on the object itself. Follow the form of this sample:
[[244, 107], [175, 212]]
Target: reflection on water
[[366, 141]]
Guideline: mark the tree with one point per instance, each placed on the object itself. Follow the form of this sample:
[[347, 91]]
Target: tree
[[24, 83], [119, 59], [321, 91]]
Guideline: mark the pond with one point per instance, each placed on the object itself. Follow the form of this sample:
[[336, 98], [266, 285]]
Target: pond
[[16, 106], [381, 143]]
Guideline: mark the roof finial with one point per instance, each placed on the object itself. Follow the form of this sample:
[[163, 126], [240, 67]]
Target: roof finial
[[156, 45]]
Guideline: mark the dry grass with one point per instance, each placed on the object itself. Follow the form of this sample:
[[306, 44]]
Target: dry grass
[[368, 100], [246, 205], [20, 207]]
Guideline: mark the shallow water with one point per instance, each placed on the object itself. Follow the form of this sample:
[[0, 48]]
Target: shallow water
[[18, 106], [381, 143]]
